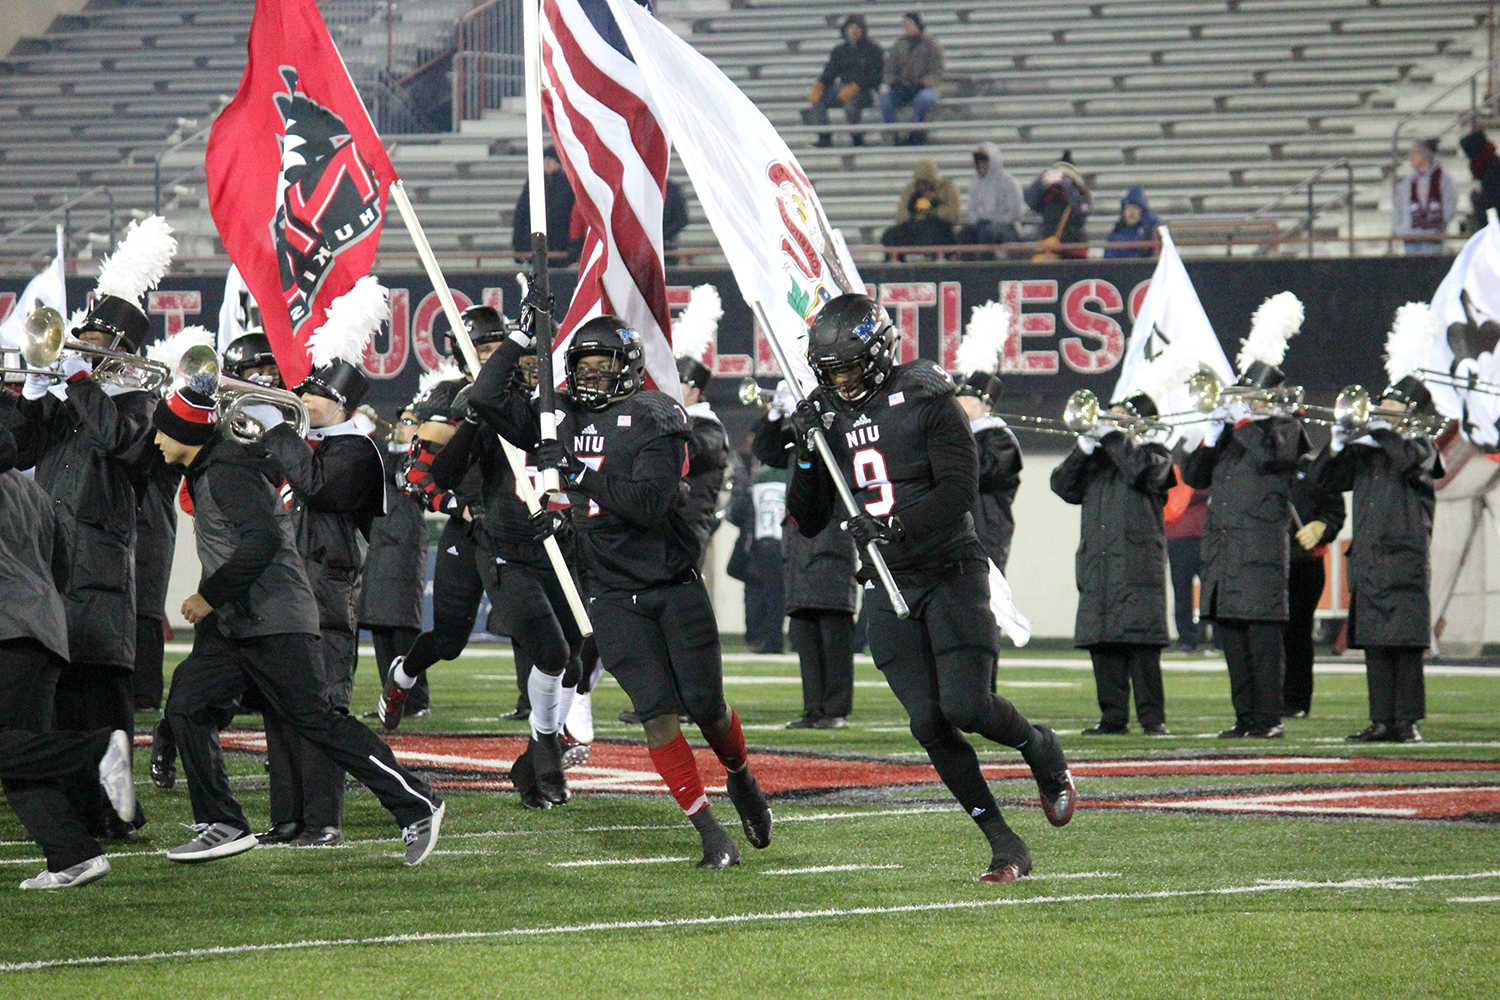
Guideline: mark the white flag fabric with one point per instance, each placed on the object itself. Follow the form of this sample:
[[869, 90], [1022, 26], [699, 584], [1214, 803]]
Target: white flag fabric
[[1007, 615], [1475, 276], [49, 288], [234, 318], [1170, 314], [754, 192]]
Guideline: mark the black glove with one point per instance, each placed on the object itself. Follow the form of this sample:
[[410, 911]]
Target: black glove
[[460, 408], [806, 418], [553, 455], [545, 523], [865, 529]]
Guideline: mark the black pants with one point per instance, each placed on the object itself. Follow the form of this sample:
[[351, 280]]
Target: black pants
[[390, 642], [307, 788], [765, 603], [93, 696], [662, 645], [824, 641], [284, 670], [1118, 667], [35, 760], [853, 110], [938, 663], [1182, 554], [150, 654], [1255, 656], [533, 610], [457, 590], [1304, 590], [1398, 691]]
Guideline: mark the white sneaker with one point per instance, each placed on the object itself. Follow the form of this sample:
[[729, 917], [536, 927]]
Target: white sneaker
[[82, 873], [580, 720], [422, 836], [214, 840], [115, 776]]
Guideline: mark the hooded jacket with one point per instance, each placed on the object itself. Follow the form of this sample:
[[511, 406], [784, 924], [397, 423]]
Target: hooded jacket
[[995, 197], [862, 64], [1143, 231], [939, 190], [1051, 200]]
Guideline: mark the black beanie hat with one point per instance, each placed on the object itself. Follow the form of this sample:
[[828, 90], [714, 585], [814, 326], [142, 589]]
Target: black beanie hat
[[190, 414]]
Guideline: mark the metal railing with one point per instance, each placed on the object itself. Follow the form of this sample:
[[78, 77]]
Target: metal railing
[[1312, 211], [1453, 119], [489, 63], [69, 212]]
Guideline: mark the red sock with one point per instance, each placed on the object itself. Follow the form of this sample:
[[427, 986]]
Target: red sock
[[731, 746], [675, 763]]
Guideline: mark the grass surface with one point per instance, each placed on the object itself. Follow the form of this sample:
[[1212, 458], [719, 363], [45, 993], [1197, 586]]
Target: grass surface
[[1246, 906]]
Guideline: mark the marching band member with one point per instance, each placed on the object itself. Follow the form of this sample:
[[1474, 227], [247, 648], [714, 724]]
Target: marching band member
[[1318, 515], [999, 451], [708, 451], [248, 358]]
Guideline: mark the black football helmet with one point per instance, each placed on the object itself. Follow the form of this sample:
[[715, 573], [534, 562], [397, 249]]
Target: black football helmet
[[851, 333], [250, 350], [606, 335], [485, 326]]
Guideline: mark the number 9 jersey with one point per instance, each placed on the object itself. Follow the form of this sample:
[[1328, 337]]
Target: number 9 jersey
[[908, 453]]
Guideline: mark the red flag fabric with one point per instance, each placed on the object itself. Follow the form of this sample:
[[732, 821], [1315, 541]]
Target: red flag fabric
[[297, 177]]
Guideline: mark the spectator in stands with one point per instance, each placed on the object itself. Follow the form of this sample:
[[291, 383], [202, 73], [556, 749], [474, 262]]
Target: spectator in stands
[[1484, 165], [1425, 202], [1064, 201], [913, 73], [851, 79], [994, 208], [1136, 224], [927, 211], [559, 207], [674, 218]]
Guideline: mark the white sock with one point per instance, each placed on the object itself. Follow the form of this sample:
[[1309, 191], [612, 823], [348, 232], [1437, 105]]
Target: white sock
[[403, 680], [580, 718], [565, 697], [545, 691], [597, 672]]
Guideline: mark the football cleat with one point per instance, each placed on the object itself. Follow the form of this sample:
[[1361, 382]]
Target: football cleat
[[115, 776], [750, 803], [545, 751], [392, 701], [163, 757], [1054, 781], [523, 777], [574, 751], [1011, 857]]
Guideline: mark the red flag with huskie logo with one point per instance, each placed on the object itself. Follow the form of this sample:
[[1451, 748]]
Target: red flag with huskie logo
[[297, 177]]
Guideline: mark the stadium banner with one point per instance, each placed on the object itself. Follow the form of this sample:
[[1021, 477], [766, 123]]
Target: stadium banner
[[1071, 323]]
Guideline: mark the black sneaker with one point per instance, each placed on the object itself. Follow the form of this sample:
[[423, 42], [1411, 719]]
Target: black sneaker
[[1107, 729], [1375, 732], [1238, 732], [1156, 729], [1275, 732], [519, 713], [1407, 732], [750, 803], [1054, 782], [163, 756], [546, 759], [804, 722], [832, 722], [280, 833]]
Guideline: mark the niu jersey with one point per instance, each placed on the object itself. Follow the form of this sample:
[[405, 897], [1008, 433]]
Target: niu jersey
[[907, 452], [476, 451]]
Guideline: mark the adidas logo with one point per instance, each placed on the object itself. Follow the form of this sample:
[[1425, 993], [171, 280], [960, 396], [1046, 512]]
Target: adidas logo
[[864, 418], [590, 429], [452, 550]]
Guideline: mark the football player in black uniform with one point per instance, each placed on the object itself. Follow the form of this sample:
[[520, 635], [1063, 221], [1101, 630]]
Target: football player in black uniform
[[899, 434], [708, 453], [249, 359], [621, 452]]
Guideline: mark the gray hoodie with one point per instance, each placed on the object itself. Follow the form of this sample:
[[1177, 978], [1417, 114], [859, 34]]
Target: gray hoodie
[[995, 197]]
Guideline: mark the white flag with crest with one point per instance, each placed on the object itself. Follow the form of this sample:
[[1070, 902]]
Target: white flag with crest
[[49, 288], [1469, 298]]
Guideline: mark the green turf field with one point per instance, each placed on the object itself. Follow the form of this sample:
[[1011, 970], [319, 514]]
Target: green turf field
[[1123, 903]]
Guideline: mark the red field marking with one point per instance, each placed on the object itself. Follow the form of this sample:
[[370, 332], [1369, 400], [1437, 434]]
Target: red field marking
[[1450, 802]]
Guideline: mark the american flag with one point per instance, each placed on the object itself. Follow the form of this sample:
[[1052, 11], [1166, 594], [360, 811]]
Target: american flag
[[615, 154]]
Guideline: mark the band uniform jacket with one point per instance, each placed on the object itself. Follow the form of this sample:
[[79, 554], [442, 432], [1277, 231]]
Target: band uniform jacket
[[396, 562], [708, 461], [999, 479], [1245, 548], [88, 447], [1390, 568], [1122, 540], [155, 533], [32, 563]]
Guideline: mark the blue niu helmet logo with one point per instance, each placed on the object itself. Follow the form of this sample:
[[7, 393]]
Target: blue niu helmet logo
[[867, 328], [628, 335]]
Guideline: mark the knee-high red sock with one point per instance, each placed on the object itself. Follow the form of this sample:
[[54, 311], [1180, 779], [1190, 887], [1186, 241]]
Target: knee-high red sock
[[675, 763], [731, 746]]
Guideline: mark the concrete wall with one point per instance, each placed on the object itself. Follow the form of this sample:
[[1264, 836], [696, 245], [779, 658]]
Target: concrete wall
[[31, 17]]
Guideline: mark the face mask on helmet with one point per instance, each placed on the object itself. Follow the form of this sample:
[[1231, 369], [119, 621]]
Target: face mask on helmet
[[526, 371], [605, 363], [851, 347]]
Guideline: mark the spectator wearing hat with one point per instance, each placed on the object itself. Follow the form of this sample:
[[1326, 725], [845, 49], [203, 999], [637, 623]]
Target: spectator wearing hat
[[1484, 165], [1060, 196], [1136, 224], [850, 79], [927, 211], [913, 73], [1424, 202]]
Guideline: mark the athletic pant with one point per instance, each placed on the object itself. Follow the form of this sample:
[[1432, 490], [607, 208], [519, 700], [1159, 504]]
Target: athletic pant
[[307, 788], [533, 610], [457, 589], [150, 653], [93, 696], [1398, 692], [35, 760], [284, 670], [1257, 667], [662, 645], [1118, 667], [824, 641], [393, 641], [1304, 590], [1182, 554], [938, 662]]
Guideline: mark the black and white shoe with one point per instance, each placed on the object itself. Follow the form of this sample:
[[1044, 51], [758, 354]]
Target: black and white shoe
[[163, 756], [750, 803], [422, 836], [82, 873], [213, 841], [392, 699], [115, 776]]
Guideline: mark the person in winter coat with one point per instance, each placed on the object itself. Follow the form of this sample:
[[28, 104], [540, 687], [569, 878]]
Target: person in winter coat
[[1063, 200], [927, 211], [1250, 464], [155, 542], [1318, 515], [913, 73], [559, 208], [708, 454], [992, 213], [1121, 484], [1137, 224], [1484, 165], [1424, 202], [999, 466], [1391, 473], [850, 79]]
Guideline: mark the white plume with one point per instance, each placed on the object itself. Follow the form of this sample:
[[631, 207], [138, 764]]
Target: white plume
[[169, 350], [139, 261], [351, 323], [1409, 343], [76, 319], [694, 328], [446, 372], [1274, 323], [1169, 371], [984, 337]]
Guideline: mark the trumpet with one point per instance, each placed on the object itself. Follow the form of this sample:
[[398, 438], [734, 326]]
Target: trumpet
[[1354, 411], [45, 337], [751, 394], [1206, 394], [234, 395], [1084, 413], [1040, 425]]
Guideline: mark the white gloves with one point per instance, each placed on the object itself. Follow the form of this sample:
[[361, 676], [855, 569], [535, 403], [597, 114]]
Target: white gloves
[[265, 414], [782, 403], [1211, 436], [1238, 411], [1087, 443], [1339, 436], [524, 339], [37, 385]]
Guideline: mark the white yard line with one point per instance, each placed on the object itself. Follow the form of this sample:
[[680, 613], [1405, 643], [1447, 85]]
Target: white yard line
[[1474, 899], [820, 869], [780, 916], [598, 862]]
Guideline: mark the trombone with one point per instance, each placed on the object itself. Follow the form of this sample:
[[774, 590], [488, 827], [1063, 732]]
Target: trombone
[[233, 395], [45, 337], [1206, 394], [1472, 383], [1082, 414], [1354, 410]]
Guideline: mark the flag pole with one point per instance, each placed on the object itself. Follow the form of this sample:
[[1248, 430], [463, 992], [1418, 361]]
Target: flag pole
[[539, 292], [820, 443], [465, 345]]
